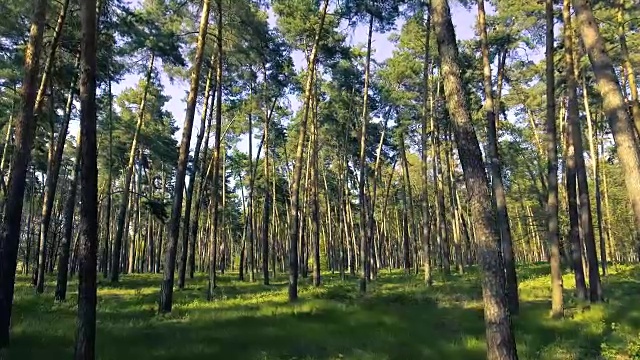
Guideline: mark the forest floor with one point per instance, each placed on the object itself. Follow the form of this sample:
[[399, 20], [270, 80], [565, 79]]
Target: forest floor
[[397, 319]]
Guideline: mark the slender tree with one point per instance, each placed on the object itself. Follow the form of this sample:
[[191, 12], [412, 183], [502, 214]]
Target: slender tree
[[166, 289], [557, 309], [497, 187]]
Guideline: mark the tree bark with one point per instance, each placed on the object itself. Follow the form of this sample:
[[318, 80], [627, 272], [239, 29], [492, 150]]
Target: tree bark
[[624, 134], [24, 136], [499, 333], [87, 273], [586, 223], [557, 309], [426, 223]]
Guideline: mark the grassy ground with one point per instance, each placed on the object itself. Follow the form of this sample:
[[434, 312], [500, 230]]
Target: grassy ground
[[397, 319]]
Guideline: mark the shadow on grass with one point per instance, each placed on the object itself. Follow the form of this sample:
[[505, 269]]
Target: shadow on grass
[[399, 318]]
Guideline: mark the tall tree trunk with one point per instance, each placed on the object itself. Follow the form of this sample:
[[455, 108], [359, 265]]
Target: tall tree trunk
[[53, 172], [192, 180], [572, 200], [364, 233], [499, 333], [69, 208], [87, 273], [215, 198], [107, 238], [426, 223], [315, 206], [586, 223], [595, 165], [166, 289], [202, 180], [443, 229], [250, 225], [124, 204], [267, 198], [614, 106], [24, 136], [497, 187], [557, 309], [297, 169]]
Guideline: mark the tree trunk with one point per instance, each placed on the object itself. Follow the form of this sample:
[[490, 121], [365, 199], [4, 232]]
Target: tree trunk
[[557, 309], [614, 106], [426, 223], [297, 170], [315, 206], [69, 208], [53, 172], [215, 198], [166, 289], [499, 333], [87, 273], [124, 204], [192, 180], [364, 233], [24, 136], [48, 66], [595, 161], [586, 223], [107, 240], [497, 187]]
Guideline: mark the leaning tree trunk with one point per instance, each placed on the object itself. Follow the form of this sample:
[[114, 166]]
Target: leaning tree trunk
[[499, 333], [166, 289], [613, 104], [557, 309], [48, 66], [24, 136], [124, 204], [497, 187], [297, 170], [192, 180], [200, 200], [87, 273], [53, 172]]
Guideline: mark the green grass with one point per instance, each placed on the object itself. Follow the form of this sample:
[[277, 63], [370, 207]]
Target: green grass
[[398, 319]]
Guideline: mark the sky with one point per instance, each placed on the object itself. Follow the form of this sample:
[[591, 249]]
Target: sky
[[463, 21]]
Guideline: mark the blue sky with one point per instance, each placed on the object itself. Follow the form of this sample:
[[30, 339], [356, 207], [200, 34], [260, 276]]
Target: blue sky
[[463, 20]]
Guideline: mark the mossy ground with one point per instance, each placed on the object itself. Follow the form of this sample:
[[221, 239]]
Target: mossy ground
[[397, 319]]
